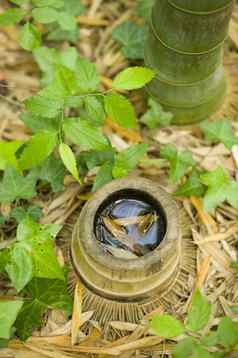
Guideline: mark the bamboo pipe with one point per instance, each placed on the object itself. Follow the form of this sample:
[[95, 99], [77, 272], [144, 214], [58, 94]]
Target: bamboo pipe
[[185, 46]]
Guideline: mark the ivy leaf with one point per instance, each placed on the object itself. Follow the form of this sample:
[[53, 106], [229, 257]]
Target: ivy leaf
[[228, 332], [53, 171], [45, 15], [69, 160], [200, 313], [8, 314], [20, 269], [66, 21], [11, 17], [180, 163], [155, 116], [84, 134], [128, 159], [42, 294], [30, 37], [192, 187], [131, 36], [144, 8], [8, 153], [104, 176], [133, 78], [16, 186], [95, 110], [120, 110], [166, 326], [39, 147], [220, 188], [19, 213], [220, 130], [44, 106], [94, 159]]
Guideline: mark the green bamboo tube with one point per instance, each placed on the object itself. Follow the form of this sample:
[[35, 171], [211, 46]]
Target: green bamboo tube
[[201, 5], [185, 46]]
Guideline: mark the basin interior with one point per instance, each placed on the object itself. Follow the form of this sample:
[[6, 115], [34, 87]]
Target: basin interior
[[129, 224]]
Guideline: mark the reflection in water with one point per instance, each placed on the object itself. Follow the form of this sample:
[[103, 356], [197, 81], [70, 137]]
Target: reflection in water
[[130, 228]]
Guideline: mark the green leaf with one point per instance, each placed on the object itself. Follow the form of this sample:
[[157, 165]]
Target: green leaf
[[57, 34], [15, 186], [94, 159], [87, 76], [32, 254], [84, 134], [8, 153], [53, 171], [66, 21], [166, 326], [95, 110], [19, 2], [180, 163], [20, 268], [200, 352], [120, 110], [200, 313], [39, 147], [128, 159], [73, 102], [5, 256], [42, 294], [30, 37], [192, 187], [220, 188], [65, 83], [104, 176], [210, 340], [144, 8], [69, 160], [45, 15], [228, 332], [132, 37], [38, 123], [44, 106], [11, 17], [52, 3], [219, 354], [8, 314], [220, 131], [155, 116], [45, 58], [74, 7], [19, 213], [133, 78], [235, 264], [185, 348]]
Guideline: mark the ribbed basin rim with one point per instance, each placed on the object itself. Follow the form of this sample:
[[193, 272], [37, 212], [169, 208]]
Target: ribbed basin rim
[[92, 246]]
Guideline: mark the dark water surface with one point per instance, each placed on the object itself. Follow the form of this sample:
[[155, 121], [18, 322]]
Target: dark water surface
[[133, 237]]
